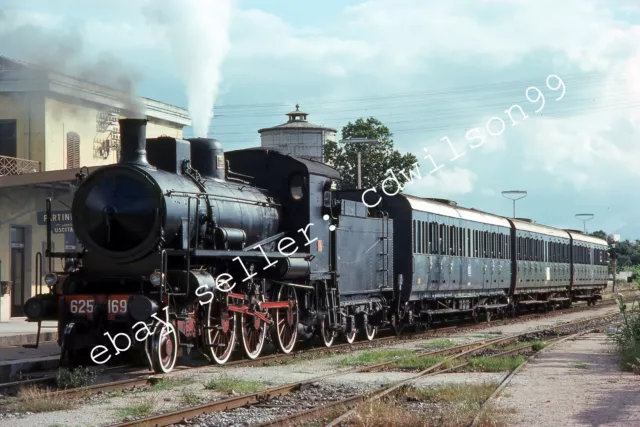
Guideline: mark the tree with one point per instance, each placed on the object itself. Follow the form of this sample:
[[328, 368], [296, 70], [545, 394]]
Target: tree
[[376, 159]]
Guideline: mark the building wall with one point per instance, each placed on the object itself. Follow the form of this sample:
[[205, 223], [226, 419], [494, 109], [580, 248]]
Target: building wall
[[63, 117], [19, 208], [298, 142]]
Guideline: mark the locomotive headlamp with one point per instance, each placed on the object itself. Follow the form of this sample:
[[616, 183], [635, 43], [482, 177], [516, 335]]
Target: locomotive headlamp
[[156, 278], [50, 279]]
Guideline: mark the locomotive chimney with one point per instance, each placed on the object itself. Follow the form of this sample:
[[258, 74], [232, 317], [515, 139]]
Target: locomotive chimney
[[133, 143]]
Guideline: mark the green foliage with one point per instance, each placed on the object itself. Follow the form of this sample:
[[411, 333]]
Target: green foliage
[[538, 345], [628, 336], [74, 378], [375, 356], [376, 159], [496, 363], [227, 384]]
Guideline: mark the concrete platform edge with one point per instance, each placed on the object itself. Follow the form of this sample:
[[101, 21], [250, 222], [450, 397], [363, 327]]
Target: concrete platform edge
[[11, 370], [12, 340]]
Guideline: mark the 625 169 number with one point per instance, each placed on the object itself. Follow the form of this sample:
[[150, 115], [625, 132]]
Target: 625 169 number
[[117, 305]]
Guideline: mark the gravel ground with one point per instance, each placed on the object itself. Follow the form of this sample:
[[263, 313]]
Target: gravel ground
[[104, 409], [577, 383], [316, 394]]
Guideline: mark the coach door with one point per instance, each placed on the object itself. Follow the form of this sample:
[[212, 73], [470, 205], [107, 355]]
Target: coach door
[[17, 271]]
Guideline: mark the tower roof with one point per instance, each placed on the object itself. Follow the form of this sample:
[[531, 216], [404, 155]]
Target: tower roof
[[297, 120]]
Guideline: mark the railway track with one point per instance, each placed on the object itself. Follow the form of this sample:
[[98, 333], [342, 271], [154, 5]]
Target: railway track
[[144, 378], [450, 354]]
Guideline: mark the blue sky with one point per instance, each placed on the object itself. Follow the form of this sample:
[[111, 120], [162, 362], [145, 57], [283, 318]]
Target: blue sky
[[428, 69]]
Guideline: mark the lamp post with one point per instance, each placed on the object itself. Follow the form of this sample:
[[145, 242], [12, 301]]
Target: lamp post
[[584, 217], [359, 141], [616, 238], [513, 195]]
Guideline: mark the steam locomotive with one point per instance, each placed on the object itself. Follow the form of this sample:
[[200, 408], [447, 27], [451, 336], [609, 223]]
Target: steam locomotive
[[160, 227]]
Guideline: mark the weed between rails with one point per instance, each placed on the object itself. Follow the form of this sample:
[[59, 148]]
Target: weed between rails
[[447, 406]]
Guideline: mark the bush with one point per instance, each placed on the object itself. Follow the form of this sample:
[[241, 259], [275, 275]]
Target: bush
[[628, 336]]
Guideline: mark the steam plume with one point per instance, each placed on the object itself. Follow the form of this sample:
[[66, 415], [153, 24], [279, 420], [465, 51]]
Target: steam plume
[[197, 33]]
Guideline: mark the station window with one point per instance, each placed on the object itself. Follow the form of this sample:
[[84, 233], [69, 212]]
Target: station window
[[73, 150]]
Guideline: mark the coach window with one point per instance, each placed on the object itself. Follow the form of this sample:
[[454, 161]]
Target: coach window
[[415, 240], [539, 250], [475, 243], [427, 237], [452, 240], [546, 251], [507, 246]]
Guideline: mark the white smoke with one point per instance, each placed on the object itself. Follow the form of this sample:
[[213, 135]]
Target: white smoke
[[197, 34]]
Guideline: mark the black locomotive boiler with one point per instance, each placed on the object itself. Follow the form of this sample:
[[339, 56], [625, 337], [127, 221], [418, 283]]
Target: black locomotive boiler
[[161, 227]]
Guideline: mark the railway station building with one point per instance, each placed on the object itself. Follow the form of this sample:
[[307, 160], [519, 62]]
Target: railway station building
[[53, 126]]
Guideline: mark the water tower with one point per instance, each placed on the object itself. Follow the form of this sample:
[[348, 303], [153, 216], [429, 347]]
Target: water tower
[[298, 137]]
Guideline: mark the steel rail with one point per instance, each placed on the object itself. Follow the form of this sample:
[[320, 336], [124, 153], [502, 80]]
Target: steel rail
[[253, 398], [259, 397], [146, 378], [352, 402]]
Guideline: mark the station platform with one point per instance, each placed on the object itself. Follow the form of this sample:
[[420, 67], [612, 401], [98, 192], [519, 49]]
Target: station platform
[[17, 360], [18, 331]]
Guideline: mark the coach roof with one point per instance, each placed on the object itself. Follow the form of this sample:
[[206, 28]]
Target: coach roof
[[441, 208], [578, 236], [539, 228]]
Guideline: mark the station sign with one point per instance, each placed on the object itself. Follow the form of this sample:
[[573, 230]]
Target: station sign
[[61, 221], [57, 217]]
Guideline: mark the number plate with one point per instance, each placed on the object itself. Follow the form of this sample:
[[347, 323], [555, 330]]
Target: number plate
[[118, 305], [80, 305]]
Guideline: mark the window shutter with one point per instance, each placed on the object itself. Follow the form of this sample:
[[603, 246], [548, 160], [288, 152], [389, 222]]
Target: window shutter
[[73, 150]]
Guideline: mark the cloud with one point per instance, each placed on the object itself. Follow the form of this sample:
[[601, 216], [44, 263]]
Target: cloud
[[454, 181]]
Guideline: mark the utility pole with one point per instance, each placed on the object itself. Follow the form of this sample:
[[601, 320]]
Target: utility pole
[[359, 154], [513, 195], [584, 217], [359, 170]]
